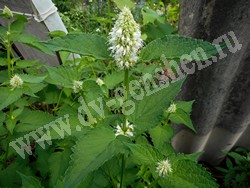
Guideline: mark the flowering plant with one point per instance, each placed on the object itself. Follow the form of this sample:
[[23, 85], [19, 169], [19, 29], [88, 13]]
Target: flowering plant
[[115, 111]]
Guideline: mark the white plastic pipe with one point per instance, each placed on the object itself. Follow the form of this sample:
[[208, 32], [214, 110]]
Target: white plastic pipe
[[46, 11]]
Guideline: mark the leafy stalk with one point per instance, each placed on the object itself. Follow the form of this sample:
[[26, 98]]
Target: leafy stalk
[[9, 50]]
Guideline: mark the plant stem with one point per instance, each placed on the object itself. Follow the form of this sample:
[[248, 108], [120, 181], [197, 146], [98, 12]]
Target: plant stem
[[123, 168], [58, 101], [126, 84], [9, 51]]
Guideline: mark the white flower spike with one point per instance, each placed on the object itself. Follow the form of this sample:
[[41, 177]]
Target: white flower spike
[[125, 40], [172, 108], [77, 86], [163, 168], [128, 132], [16, 81]]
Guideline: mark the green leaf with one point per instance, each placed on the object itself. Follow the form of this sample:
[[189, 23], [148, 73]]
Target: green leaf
[[58, 163], [81, 43], [181, 117], [174, 46], [63, 76], [144, 154], [185, 106], [3, 62], [124, 3], [91, 90], [150, 16], [17, 27], [10, 124], [157, 30], [30, 181], [111, 80], [32, 88], [34, 42], [188, 174], [161, 137], [26, 63], [32, 78], [31, 120], [91, 151], [7, 96], [9, 176], [2, 117], [3, 31], [3, 76], [42, 159], [149, 111]]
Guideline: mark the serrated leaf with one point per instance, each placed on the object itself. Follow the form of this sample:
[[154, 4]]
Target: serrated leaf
[[34, 42], [161, 137], [150, 16], [58, 163], [30, 181], [3, 62], [111, 80], [9, 176], [42, 162], [149, 111], [26, 63], [17, 27], [181, 117], [185, 106], [31, 120], [3, 76], [31, 88], [157, 30], [7, 96], [91, 151], [10, 125], [174, 46], [91, 90], [63, 76], [32, 78], [87, 45], [2, 117], [188, 174], [144, 154], [124, 3]]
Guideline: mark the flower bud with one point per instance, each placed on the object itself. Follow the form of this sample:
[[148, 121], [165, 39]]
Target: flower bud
[[16, 82], [77, 86], [7, 12]]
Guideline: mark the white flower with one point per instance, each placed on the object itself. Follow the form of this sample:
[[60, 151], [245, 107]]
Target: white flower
[[172, 108], [77, 86], [97, 30], [163, 168], [16, 81], [128, 132], [125, 40], [99, 81]]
